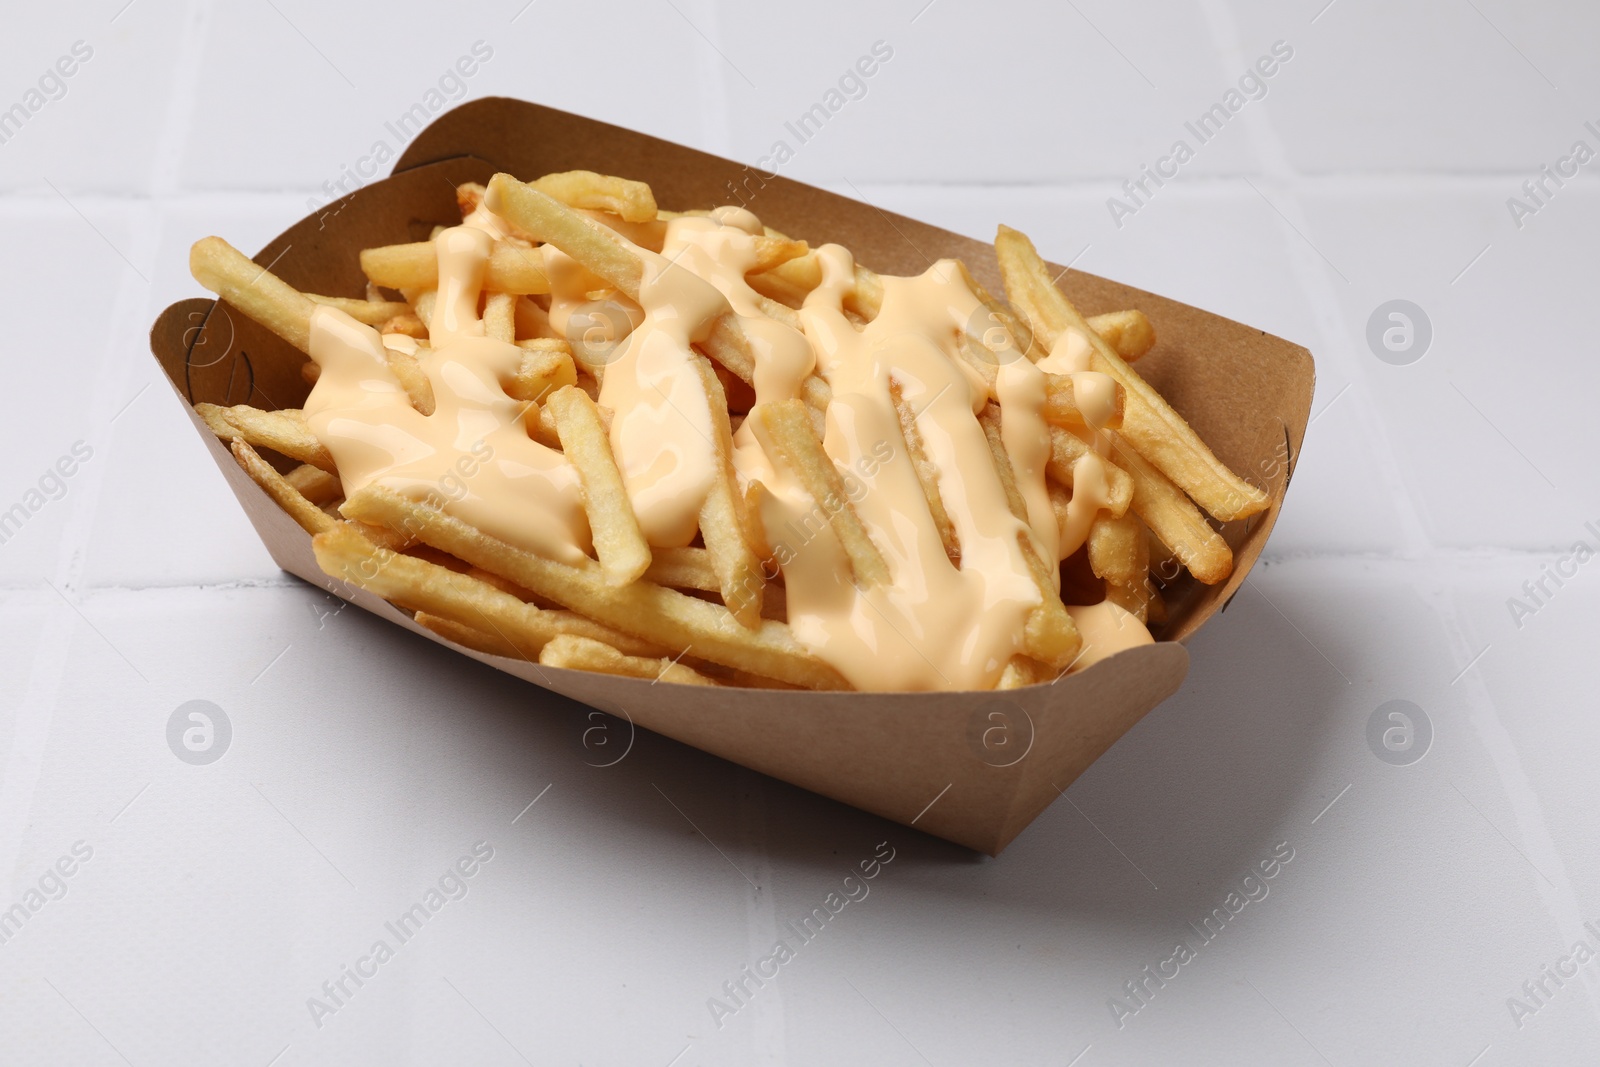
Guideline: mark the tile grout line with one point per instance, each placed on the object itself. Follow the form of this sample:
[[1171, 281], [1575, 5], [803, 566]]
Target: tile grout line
[[1560, 898], [35, 714], [109, 399], [771, 1023], [1561, 904], [1482, 179], [1323, 301]]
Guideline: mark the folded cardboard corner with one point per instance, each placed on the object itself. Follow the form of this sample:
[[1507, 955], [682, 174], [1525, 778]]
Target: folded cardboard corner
[[974, 767]]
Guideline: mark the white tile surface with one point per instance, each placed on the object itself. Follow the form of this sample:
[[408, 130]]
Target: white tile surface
[[219, 898]]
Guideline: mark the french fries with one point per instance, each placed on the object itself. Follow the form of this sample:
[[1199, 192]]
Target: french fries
[[684, 568], [583, 654], [317, 486], [794, 440], [408, 372], [1050, 635], [311, 518], [1129, 333], [723, 523], [927, 475], [414, 266], [1150, 424], [618, 541], [255, 291], [284, 432], [546, 367], [650, 612], [1175, 521], [631, 201], [368, 312], [717, 610], [1061, 404], [1118, 550]]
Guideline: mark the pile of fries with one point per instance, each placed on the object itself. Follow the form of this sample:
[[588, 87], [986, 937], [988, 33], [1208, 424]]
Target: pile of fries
[[712, 612]]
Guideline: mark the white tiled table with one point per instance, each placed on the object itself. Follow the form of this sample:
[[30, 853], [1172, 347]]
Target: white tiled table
[[363, 763]]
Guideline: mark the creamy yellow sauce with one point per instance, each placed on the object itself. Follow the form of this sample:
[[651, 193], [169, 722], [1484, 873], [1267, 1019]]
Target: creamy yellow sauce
[[938, 624]]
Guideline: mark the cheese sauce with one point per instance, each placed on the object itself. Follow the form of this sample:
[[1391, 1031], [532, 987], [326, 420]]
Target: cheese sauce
[[938, 624], [473, 455]]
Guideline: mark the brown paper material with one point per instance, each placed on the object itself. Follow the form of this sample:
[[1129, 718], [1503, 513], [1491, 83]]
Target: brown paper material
[[933, 761]]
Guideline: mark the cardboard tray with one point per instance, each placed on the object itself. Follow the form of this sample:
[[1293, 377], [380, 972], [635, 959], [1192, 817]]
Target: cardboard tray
[[973, 768]]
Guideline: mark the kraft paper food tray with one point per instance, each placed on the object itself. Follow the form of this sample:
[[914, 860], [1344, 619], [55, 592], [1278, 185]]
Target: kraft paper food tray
[[932, 760]]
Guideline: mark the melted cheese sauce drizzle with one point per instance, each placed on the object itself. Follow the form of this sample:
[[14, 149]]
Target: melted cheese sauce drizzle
[[473, 455], [1096, 396], [937, 625], [1106, 628]]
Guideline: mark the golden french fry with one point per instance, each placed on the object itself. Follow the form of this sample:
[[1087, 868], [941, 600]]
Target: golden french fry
[[422, 303], [571, 622], [802, 274], [631, 200], [284, 431], [583, 654], [795, 444], [311, 518], [723, 523], [595, 201], [773, 249], [647, 611], [416, 266], [368, 312], [315, 484], [1014, 338], [499, 317], [609, 256], [774, 285], [683, 568], [418, 585], [1129, 333], [1061, 405], [383, 537], [559, 619], [469, 636], [1066, 447], [754, 494], [542, 426], [546, 367], [927, 474], [407, 322], [254, 290], [1023, 671], [772, 309], [773, 252], [532, 321], [1175, 520], [1119, 549], [548, 219], [1150, 425], [408, 372], [618, 541], [421, 585]]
